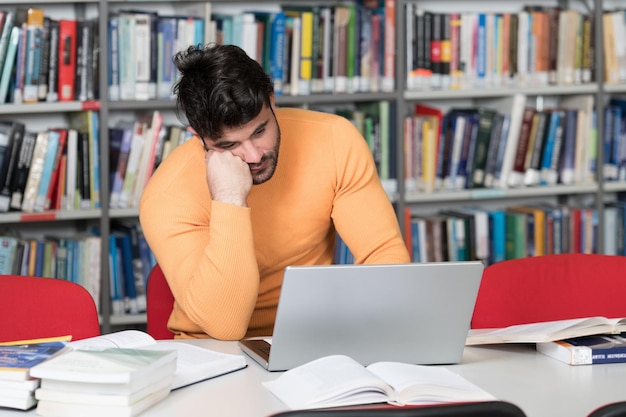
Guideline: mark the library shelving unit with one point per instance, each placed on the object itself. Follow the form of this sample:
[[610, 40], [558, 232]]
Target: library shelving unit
[[402, 98], [595, 193]]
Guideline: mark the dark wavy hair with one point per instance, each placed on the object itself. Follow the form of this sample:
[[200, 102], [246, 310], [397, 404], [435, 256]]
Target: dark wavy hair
[[219, 87]]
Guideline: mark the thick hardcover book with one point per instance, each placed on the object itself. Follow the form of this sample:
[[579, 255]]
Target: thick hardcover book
[[83, 81], [587, 350], [52, 89], [57, 174], [9, 64], [34, 34], [547, 123], [35, 173], [18, 183], [5, 35], [67, 59], [46, 172], [10, 141], [516, 175], [44, 60]]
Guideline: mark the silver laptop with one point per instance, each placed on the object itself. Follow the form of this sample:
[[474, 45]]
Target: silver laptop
[[415, 313]]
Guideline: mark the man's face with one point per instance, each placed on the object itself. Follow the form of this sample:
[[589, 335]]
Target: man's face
[[256, 143]]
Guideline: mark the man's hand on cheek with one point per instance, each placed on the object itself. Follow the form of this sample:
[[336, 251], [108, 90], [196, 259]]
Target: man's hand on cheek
[[228, 177]]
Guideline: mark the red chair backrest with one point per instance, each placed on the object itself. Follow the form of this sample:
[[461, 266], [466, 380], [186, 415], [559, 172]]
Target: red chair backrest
[[160, 302], [551, 287], [33, 308]]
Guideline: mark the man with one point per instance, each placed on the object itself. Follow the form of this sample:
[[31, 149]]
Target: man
[[224, 214]]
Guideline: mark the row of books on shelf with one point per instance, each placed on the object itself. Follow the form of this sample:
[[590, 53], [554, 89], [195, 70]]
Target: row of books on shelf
[[498, 234], [305, 49], [45, 59], [130, 261], [54, 169], [537, 46], [77, 259], [136, 148], [504, 143]]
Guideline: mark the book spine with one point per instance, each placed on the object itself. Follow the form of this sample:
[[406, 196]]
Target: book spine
[[17, 134], [389, 69], [277, 51], [52, 92], [67, 59]]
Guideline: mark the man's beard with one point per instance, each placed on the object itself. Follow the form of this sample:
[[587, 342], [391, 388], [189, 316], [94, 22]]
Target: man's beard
[[272, 159]]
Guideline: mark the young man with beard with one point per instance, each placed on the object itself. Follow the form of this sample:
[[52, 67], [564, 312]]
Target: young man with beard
[[257, 189]]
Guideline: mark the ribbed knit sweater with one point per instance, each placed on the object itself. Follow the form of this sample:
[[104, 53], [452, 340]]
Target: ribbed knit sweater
[[224, 263]]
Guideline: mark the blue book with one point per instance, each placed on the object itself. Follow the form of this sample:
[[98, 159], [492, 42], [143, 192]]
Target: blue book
[[16, 359], [39, 258], [277, 52], [9, 64], [117, 304], [481, 51], [550, 152], [166, 72], [497, 233], [31, 65], [587, 350], [46, 173], [130, 291]]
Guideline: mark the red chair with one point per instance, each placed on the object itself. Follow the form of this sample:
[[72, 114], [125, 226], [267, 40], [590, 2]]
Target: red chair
[[159, 304], [550, 287], [33, 308]]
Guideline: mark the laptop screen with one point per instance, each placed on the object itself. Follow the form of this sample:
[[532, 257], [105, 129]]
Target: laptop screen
[[414, 313]]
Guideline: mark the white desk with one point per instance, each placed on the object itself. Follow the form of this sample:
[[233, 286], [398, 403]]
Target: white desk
[[541, 386]]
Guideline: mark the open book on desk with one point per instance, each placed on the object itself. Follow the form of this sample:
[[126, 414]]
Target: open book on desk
[[193, 363], [547, 331], [338, 380]]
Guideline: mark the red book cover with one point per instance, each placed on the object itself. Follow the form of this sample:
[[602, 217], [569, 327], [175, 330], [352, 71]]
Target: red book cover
[[54, 177], [67, 59]]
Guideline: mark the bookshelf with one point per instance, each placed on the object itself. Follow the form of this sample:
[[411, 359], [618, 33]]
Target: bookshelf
[[402, 97]]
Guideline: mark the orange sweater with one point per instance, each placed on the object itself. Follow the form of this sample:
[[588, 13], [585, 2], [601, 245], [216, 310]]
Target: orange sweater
[[224, 263]]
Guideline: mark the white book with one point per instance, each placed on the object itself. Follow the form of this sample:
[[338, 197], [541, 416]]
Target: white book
[[35, 173], [327, 46], [126, 53], [71, 170], [193, 363], [582, 172], [514, 106], [339, 380], [132, 167], [250, 35], [141, 57], [296, 45], [523, 35], [450, 179]]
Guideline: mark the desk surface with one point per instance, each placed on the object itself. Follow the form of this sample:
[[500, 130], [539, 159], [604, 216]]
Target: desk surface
[[540, 385]]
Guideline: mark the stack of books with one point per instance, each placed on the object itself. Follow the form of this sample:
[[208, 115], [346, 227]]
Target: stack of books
[[17, 386], [104, 382], [122, 374]]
